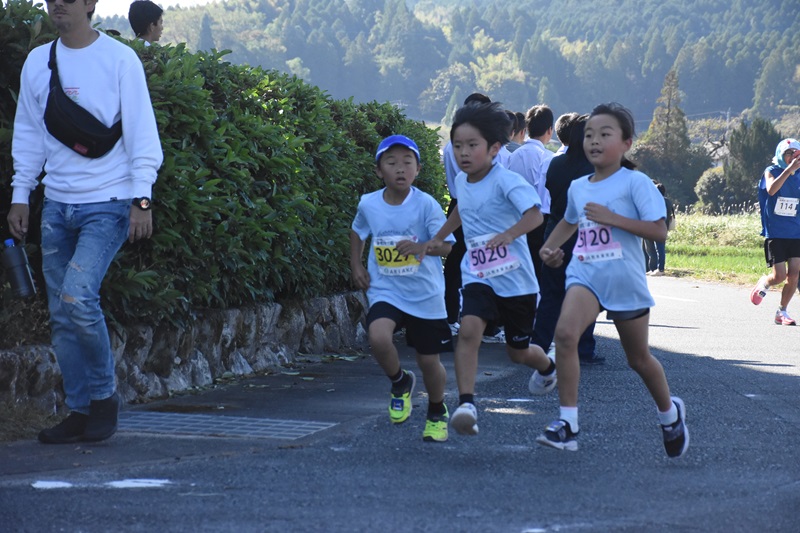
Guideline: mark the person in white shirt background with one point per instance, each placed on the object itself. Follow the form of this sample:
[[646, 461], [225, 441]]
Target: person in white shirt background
[[147, 21]]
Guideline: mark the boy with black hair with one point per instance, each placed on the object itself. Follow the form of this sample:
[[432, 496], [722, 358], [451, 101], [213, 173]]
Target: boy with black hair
[[531, 161], [452, 265], [563, 127], [147, 21], [497, 208], [403, 288]]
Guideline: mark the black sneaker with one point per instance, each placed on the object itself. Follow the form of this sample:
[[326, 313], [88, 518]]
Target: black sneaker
[[559, 435], [103, 416], [67, 431], [676, 436]]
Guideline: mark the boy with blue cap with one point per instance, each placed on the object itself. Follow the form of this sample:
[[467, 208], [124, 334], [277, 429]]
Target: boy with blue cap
[[403, 289]]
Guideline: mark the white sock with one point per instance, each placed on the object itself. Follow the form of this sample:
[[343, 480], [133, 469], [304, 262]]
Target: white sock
[[667, 418], [570, 415]]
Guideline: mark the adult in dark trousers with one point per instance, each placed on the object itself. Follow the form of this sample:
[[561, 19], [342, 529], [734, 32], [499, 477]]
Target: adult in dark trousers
[[563, 170], [96, 196], [659, 249], [452, 264]]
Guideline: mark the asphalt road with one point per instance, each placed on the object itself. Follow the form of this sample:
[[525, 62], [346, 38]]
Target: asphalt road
[[735, 369]]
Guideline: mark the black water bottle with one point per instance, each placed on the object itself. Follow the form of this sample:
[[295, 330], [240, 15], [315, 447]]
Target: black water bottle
[[18, 274]]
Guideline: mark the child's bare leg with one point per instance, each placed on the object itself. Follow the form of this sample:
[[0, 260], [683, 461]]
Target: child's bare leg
[[791, 281], [381, 343], [434, 375], [777, 275], [633, 334], [466, 355], [532, 356], [580, 308]]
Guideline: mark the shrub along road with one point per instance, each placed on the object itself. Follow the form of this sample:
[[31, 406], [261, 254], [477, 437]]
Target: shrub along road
[[737, 372]]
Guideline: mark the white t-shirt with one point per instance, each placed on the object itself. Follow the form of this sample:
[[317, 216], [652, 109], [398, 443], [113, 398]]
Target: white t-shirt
[[531, 161], [609, 260], [414, 288], [487, 208]]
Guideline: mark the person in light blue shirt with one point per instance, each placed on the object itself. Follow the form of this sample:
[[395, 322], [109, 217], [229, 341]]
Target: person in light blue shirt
[[612, 210], [404, 281], [496, 208]]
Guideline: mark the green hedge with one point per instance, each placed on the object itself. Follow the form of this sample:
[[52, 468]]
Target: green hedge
[[261, 178]]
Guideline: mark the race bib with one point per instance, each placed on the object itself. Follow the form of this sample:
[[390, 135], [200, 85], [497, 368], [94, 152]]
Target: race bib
[[487, 263], [390, 261], [595, 243], [786, 207]]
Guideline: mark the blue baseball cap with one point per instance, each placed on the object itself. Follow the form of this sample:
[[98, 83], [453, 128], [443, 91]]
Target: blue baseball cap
[[394, 140]]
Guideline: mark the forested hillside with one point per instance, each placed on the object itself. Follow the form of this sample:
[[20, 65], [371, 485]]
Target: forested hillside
[[730, 55]]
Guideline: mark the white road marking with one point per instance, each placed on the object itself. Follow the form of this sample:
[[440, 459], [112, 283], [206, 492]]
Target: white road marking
[[123, 484]]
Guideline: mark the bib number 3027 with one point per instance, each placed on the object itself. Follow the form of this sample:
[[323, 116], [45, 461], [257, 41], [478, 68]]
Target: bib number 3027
[[390, 261], [595, 243], [489, 262]]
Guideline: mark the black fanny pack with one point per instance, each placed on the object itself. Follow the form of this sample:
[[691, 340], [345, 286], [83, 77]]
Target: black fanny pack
[[71, 124]]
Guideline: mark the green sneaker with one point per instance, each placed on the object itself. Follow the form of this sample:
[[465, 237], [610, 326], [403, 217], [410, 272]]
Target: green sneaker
[[436, 428], [400, 404]]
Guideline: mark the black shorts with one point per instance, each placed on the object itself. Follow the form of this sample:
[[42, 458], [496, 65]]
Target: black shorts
[[515, 313], [620, 316], [426, 336], [780, 250]]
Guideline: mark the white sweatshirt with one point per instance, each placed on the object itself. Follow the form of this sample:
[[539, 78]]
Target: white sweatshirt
[[107, 79]]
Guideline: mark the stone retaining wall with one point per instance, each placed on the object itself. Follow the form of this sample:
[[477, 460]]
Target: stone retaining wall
[[151, 362]]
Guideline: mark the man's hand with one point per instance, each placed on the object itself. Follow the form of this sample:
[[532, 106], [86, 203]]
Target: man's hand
[[18, 220], [141, 226]]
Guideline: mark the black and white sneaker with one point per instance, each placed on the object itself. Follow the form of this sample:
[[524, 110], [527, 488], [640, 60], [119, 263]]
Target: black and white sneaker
[[676, 436], [559, 435]]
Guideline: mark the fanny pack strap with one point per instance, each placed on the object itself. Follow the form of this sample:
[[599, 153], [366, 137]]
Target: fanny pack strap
[[55, 83]]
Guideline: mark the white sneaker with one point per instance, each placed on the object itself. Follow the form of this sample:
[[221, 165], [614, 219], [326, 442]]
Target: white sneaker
[[465, 419], [497, 338], [454, 327], [540, 384]]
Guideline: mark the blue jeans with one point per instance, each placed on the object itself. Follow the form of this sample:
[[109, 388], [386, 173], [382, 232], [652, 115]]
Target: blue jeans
[[79, 242], [552, 289]]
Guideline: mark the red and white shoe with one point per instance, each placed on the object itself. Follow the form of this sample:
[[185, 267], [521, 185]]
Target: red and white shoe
[[782, 318], [759, 291]]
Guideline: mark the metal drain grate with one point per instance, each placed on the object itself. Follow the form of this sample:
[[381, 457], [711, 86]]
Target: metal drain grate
[[218, 426]]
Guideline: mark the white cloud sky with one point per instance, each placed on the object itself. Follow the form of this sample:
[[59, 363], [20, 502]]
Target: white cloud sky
[[109, 8]]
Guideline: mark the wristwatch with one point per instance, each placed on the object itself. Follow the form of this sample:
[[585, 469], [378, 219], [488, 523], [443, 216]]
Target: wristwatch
[[142, 203]]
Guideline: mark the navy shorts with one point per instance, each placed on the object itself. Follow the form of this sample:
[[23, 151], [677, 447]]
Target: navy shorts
[[780, 250], [515, 313], [426, 336]]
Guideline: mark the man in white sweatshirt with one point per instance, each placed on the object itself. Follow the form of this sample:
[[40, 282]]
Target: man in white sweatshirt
[[91, 204]]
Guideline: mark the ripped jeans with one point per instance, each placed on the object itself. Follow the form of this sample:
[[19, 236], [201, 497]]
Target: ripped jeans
[[79, 242]]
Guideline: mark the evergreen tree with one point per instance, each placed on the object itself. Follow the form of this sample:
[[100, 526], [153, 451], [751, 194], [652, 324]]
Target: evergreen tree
[[751, 149], [206, 39], [665, 153]]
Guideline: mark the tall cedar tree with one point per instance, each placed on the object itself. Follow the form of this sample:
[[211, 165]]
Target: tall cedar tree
[[665, 153]]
